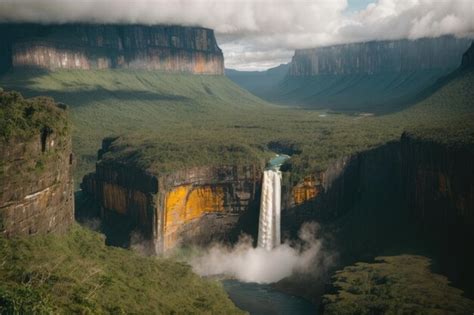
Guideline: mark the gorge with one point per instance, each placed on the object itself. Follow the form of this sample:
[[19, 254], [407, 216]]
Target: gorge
[[182, 155], [374, 76]]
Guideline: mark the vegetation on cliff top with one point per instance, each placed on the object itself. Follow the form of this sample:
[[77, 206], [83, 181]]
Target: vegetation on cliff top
[[24, 118], [174, 121], [394, 285], [160, 155], [77, 273]]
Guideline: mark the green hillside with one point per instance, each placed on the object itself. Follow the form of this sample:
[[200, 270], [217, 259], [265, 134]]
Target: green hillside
[[184, 120], [76, 273], [378, 93], [260, 83], [114, 102]]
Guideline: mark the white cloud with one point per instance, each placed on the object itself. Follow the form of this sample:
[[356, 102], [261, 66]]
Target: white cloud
[[262, 33]]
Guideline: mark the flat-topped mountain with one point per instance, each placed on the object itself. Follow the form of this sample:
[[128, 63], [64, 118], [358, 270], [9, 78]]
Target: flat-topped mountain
[[380, 57], [92, 46], [377, 76]]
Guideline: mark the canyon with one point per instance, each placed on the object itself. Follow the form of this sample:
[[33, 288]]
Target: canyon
[[173, 49], [387, 189], [376, 76]]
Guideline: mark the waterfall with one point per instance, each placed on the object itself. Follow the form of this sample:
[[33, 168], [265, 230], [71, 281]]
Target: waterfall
[[270, 206]]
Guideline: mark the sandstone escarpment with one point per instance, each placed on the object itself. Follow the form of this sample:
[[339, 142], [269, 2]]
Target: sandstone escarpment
[[347, 183], [195, 205], [406, 191], [89, 46], [36, 186], [380, 57]]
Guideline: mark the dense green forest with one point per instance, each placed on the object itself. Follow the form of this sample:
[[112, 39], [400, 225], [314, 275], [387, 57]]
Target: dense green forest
[[400, 284], [206, 119], [170, 121]]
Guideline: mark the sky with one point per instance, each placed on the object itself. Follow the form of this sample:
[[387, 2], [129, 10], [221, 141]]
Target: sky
[[259, 34]]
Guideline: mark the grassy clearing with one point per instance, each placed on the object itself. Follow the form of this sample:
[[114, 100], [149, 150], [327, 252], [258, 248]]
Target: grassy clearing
[[77, 273]]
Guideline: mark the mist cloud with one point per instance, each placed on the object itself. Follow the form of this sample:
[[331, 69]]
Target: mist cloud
[[262, 33], [249, 264]]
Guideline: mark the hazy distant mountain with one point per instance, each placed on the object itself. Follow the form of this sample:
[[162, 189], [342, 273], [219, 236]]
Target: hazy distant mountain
[[376, 76], [259, 82]]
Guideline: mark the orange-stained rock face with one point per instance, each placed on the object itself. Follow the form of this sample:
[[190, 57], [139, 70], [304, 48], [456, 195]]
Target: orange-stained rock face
[[186, 203], [305, 191], [191, 206]]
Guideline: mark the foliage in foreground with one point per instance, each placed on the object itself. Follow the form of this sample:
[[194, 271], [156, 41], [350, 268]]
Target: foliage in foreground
[[394, 285], [23, 118], [77, 273]]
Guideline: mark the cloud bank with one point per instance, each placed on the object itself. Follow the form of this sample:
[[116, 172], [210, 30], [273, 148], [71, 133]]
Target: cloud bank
[[261, 33]]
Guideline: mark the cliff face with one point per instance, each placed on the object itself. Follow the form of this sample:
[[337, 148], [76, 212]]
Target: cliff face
[[401, 193], [196, 205], [380, 57], [468, 58], [87, 46], [349, 182], [36, 186], [439, 181]]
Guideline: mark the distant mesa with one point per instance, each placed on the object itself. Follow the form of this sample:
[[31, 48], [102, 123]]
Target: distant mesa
[[173, 49], [380, 57]]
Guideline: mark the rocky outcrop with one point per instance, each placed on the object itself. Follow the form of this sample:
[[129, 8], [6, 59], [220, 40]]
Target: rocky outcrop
[[36, 186], [380, 57], [196, 205], [87, 46]]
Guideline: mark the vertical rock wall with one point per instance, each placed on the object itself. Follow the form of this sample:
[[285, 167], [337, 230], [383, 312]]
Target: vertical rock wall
[[36, 185], [87, 46], [192, 206], [380, 57]]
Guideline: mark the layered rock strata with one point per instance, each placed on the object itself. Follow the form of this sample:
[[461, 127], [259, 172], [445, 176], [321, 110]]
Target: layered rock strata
[[380, 57], [36, 183], [88, 46], [192, 206]]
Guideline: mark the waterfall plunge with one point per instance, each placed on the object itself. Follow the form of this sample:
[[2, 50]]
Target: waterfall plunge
[[270, 207]]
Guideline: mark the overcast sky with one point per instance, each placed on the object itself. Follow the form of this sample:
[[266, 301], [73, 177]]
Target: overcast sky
[[258, 34]]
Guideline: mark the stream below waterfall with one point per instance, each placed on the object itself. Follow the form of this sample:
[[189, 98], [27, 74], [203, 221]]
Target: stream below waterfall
[[263, 299]]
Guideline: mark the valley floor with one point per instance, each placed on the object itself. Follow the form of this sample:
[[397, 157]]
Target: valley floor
[[167, 122], [207, 119]]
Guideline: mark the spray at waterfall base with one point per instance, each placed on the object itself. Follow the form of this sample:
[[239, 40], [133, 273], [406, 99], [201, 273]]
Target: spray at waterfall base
[[271, 260]]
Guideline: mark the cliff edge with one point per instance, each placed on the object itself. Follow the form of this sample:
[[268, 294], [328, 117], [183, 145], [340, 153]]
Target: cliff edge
[[36, 186]]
